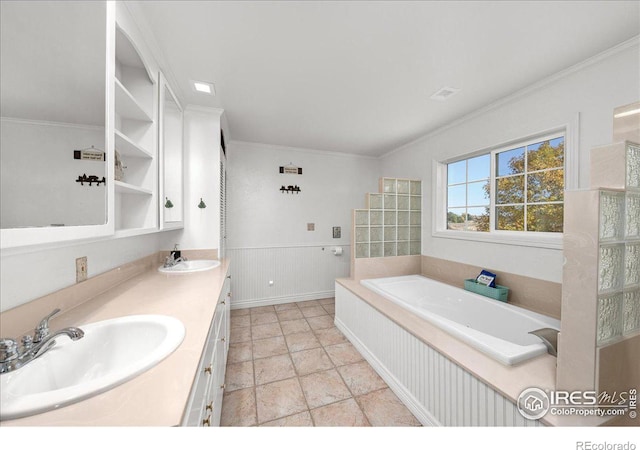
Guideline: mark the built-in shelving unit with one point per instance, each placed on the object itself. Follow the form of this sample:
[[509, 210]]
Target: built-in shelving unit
[[135, 133]]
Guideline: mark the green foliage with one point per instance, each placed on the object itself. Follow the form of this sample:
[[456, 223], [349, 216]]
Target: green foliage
[[455, 218], [547, 186]]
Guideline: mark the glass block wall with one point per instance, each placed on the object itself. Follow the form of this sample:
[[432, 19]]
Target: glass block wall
[[391, 223], [619, 254]]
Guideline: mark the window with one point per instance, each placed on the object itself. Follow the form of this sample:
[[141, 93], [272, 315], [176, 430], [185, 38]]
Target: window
[[517, 188], [468, 189]]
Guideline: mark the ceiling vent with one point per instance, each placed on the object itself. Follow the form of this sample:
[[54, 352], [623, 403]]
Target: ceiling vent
[[445, 93]]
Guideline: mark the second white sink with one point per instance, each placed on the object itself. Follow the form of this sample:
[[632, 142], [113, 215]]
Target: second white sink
[[110, 353], [196, 265]]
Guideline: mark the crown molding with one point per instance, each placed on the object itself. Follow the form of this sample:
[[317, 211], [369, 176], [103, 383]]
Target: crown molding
[[257, 145], [50, 123]]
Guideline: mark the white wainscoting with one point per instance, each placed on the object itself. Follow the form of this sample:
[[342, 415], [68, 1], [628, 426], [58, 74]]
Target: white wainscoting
[[435, 389], [299, 273]]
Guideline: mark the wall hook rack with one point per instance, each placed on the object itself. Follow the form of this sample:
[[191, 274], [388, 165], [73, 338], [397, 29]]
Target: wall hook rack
[[201, 205], [82, 179], [168, 203], [291, 189]]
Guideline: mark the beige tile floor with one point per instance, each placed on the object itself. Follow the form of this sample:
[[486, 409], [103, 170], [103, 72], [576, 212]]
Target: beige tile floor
[[288, 365]]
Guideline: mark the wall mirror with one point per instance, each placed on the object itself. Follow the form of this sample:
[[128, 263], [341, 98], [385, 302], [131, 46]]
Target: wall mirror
[[54, 78], [171, 138]]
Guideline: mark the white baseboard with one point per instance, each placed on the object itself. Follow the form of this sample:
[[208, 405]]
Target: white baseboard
[[280, 300], [416, 408]]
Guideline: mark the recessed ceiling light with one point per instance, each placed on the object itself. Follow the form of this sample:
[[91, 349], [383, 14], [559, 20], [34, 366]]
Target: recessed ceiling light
[[445, 93], [205, 88]]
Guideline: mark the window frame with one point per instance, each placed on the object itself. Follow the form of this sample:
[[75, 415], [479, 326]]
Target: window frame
[[538, 239]]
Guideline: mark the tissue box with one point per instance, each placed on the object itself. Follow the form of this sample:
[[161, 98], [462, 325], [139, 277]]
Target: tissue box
[[497, 293]]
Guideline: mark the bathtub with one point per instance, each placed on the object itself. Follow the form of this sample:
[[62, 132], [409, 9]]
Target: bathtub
[[497, 329]]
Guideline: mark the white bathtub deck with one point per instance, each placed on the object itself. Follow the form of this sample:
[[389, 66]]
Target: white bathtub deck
[[509, 381]]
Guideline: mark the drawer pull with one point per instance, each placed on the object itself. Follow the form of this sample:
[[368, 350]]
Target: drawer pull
[[222, 386], [207, 370], [210, 406], [223, 339], [229, 276], [223, 302], [207, 422]]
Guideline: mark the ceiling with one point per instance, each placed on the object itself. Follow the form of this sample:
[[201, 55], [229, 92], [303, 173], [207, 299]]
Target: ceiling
[[356, 77]]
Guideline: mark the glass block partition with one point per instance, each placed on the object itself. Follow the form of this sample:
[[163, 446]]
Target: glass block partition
[[618, 309], [391, 223]]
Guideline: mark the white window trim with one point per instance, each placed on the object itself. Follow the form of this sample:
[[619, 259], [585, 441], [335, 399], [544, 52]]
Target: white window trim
[[519, 238]]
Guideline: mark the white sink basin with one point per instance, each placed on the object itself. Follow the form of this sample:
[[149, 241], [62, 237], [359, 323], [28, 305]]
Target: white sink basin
[[197, 265], [110, 353]]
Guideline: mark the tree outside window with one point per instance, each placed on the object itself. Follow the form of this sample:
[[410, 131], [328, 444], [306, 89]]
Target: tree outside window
[[528, 181]]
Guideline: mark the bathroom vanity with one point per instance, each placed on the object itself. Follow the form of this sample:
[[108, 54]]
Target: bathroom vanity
[[186, 388], [205, 402]]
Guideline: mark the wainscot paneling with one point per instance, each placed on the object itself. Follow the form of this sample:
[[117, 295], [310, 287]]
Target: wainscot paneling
[[435, 389], [298, 273]]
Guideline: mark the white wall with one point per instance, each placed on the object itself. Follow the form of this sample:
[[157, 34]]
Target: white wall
[[267, 225], [31, 273], [590, 93], [260, 215], [39, 172]]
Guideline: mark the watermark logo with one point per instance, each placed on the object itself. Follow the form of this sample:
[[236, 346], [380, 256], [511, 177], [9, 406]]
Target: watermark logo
[[533, 403]]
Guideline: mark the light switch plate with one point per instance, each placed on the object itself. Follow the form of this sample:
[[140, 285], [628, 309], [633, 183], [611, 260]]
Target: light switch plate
[[337, 232], [81, 269]]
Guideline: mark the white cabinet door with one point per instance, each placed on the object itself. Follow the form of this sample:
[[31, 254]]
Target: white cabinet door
[[205, 402], [197, 403]]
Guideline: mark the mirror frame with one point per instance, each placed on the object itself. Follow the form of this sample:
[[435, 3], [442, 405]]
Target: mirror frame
[[21, 237], [163, 83]]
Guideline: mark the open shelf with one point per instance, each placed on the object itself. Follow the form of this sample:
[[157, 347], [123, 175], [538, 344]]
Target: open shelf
[[135, 136], [127, 106], [127, 147], [126, 188]]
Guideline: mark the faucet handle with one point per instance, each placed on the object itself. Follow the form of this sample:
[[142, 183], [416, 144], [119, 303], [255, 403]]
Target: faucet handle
[[8, 350], [42, 330], [27, 343]]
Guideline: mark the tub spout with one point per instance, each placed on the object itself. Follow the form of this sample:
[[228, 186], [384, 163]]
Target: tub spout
[[550, 338]]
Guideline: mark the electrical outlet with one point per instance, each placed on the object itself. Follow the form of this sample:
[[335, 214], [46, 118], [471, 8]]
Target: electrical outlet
[[311, 227], [81, 269], [337, 232], [270, 283]]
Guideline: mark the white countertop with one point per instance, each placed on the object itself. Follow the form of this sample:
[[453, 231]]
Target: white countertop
[[158, 396]]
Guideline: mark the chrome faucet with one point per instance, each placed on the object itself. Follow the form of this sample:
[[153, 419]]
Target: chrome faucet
[[12, 357], [171, 260], [550, 338]]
